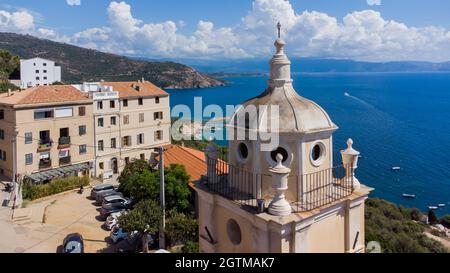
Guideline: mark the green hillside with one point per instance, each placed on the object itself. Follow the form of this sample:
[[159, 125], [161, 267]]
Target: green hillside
[[395, 229], [81, 64]]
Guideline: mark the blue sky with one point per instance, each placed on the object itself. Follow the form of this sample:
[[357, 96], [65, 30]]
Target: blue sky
[[238, 28]]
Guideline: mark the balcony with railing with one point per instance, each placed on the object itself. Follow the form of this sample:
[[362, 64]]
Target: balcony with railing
[[307, 192], [281, 190], [64, 142], [65, 160], [45, 164], [45, 145]]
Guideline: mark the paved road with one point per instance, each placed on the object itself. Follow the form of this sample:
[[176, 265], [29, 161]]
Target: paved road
[[64, 215]]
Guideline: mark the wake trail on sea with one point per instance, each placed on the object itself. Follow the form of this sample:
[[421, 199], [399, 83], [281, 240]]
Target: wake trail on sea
[[359, 100]]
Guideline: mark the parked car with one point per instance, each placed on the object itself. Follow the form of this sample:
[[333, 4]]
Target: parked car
[[99, 188], [133, 243], [73, 243], [111, 220], [118, 234], [112, 199], [107, 209], [103, 194]]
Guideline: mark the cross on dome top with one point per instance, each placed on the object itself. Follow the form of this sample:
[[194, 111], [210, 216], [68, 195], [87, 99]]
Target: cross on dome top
[[279, 30]]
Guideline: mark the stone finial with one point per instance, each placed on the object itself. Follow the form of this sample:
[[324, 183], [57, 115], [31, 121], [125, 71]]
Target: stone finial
[[211, 155], [279, 160], [279, 206], [211, 150], [280, 66], [350, 161], [349, 143]]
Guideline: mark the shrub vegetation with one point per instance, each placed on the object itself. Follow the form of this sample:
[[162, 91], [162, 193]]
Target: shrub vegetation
[[33, 192], [393, 227]]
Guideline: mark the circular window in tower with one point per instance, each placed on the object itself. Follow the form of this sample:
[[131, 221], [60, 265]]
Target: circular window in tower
[[242, 152], [318, 154], [281, 151], [234, 232]]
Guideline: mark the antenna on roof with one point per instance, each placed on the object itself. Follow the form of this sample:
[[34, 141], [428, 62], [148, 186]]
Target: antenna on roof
[[279, 30]]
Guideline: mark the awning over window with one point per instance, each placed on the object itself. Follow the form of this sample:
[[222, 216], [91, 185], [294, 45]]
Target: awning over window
[[58, 173]]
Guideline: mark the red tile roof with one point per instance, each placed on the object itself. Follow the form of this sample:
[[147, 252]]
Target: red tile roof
[[44, 94], [193, 160], [129, 89]]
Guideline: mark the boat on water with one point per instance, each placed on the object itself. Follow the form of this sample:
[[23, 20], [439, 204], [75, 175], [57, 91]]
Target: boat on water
[[441, 205], [406, 195], [396, 168], [432, 207], [347, 94]]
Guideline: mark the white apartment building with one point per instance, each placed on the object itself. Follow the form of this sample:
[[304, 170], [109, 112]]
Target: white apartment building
[[131, 119], [38, 71]]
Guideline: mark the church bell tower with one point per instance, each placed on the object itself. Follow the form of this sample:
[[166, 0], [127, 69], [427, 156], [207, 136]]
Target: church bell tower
[[289, 198]]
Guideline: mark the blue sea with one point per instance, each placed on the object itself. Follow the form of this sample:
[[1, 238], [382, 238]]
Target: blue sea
[[395, 119]]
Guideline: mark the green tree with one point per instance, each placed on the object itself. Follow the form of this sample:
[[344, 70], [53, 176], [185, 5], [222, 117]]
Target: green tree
[[8, 63], [177, 188], [432, 218], [181, 228], [145, 218], [4, 86], [141, 182], [129, 173], [190, 247]]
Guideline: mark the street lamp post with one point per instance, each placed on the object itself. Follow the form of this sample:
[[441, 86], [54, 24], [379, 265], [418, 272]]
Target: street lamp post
[[162, 243]]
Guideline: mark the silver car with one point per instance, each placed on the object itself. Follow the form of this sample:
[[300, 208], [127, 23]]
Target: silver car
[[110, 199], [103, 194], [99, 188]]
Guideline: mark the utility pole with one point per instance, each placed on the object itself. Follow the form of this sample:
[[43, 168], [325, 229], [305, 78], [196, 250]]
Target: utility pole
[[162, 198]]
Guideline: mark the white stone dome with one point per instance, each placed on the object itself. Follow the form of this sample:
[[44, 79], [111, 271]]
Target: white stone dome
[[296, 113]]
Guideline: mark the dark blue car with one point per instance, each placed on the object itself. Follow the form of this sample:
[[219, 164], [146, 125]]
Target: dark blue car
[[73, 243]]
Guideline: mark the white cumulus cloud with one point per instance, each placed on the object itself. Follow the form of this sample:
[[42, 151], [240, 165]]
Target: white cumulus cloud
[[73, 2], [19, 21], [359, 35]]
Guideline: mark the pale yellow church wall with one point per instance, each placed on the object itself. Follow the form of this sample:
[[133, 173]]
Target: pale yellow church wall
[[222, 216], [327, 235], [333, 229]]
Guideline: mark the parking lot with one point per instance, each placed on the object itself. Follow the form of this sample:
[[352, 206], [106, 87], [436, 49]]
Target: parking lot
[[48, 222]]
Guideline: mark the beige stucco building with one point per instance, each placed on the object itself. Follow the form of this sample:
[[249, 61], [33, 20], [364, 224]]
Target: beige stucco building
[[288, 199], [45, 132], [130, 119]]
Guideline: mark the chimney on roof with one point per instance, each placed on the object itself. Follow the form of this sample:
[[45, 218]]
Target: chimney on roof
[[9, 92], [143, 80], [137, 88]]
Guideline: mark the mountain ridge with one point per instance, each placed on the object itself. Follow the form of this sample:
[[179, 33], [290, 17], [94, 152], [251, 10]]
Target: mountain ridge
[[81, 64]]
